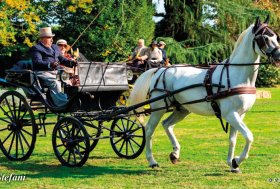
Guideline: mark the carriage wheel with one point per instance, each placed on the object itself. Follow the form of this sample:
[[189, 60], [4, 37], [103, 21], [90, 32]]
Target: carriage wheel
[[127, 137], [70, 142], [17, 126], [94, 131]]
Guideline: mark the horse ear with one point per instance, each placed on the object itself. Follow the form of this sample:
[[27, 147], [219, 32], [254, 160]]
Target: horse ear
[[257, 24], [267, 19]]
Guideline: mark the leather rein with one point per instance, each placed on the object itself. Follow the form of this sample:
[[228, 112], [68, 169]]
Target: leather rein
[[207, 83], [211, 96]]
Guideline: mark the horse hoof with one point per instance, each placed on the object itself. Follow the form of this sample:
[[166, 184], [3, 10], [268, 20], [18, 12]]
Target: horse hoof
[[154, 166], [173, 158], [234, 164], [236, 170]]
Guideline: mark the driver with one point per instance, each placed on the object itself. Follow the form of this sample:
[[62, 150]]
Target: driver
[[46, 58]]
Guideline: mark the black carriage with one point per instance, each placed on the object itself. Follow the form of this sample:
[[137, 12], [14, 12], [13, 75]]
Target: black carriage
[[79, 123]]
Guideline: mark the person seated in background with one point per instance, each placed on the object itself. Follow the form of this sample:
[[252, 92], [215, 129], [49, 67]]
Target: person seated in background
[[138, 53], [64, 48], [153, 56], [165, 60], [45, 59]]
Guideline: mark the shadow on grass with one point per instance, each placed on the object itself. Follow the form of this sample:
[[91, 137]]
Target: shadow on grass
[[40, 170], [261, 111], [214, 174], [104, 157]]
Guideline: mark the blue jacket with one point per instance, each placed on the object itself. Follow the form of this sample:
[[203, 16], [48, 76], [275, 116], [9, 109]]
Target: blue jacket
[[163, 55], [42, 57]]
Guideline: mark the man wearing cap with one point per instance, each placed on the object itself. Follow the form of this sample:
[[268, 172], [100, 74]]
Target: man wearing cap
[[46, 58], [161, 46]]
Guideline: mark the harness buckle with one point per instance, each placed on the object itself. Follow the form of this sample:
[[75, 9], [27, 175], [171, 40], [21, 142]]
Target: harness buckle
[[209, 98]]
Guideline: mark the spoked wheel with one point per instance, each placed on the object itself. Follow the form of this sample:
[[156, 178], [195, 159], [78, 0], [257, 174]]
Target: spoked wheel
[[94, 131], [17, 126], [70, 142], [127, 137]]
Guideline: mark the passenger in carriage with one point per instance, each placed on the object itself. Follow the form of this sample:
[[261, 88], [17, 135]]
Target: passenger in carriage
[[64, 48], [46, 58], [161, 46], [165, 61], [153, 56], [138, 53]]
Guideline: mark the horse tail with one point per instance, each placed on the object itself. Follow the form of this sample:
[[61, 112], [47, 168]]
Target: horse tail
[[141, 87]]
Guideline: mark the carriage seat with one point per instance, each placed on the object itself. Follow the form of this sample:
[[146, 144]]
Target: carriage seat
[[23, 65], [20, 77], [22, 73]]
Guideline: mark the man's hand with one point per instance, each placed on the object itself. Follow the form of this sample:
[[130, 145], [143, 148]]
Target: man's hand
[[54, 65]]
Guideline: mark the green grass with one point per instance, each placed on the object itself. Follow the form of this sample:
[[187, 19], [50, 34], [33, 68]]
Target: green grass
[[202, 164]]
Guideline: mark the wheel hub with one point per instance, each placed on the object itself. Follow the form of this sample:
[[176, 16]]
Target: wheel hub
[[14, 126], [70, 143], [127, 136]]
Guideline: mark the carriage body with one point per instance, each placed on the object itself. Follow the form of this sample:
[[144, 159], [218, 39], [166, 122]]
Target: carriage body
[[101, 85]]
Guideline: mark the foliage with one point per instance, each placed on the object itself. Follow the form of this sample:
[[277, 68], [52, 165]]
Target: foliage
[[206, 26], [273, 6], [53, 12], [18, 21], [179, 54], [110, 38], [112, 35], [268, 76]]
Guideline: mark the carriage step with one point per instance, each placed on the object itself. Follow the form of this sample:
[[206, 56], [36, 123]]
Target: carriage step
[[36, 104]]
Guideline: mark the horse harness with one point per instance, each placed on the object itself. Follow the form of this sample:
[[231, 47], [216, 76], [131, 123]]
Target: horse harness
[[211, 97]]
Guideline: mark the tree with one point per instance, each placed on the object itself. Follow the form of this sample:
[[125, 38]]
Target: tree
[[272, 6], [109, 37], [18, 20], [205, 30]]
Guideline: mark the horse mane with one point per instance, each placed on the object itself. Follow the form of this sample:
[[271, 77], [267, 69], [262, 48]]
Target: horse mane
[[240, 39]]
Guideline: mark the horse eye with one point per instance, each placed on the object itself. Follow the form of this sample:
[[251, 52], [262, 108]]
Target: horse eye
[[266, 39]]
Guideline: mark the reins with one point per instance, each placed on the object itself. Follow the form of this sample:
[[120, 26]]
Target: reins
[[211, 96], [207, 83]]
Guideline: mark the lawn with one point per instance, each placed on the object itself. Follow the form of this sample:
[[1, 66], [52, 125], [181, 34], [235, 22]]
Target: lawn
[[202, 163]]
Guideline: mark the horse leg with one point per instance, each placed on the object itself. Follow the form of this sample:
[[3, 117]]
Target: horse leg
[[169, 125], [150, 128], [235, 120], [232, 143]]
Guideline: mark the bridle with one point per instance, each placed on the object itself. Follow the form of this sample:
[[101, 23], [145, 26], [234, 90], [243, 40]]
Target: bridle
[[260, 40]]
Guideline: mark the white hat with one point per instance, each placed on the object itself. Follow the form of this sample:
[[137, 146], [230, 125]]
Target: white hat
[[61, 41], [161, 43], [46, 32]]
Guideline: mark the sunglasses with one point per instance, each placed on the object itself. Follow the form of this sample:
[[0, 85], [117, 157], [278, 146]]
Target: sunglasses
[[61, 45]]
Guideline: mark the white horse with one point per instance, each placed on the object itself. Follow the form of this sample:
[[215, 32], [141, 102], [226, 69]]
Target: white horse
[[257, 40]]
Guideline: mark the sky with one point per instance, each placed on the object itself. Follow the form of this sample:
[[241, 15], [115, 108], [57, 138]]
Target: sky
[[159, 8]]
